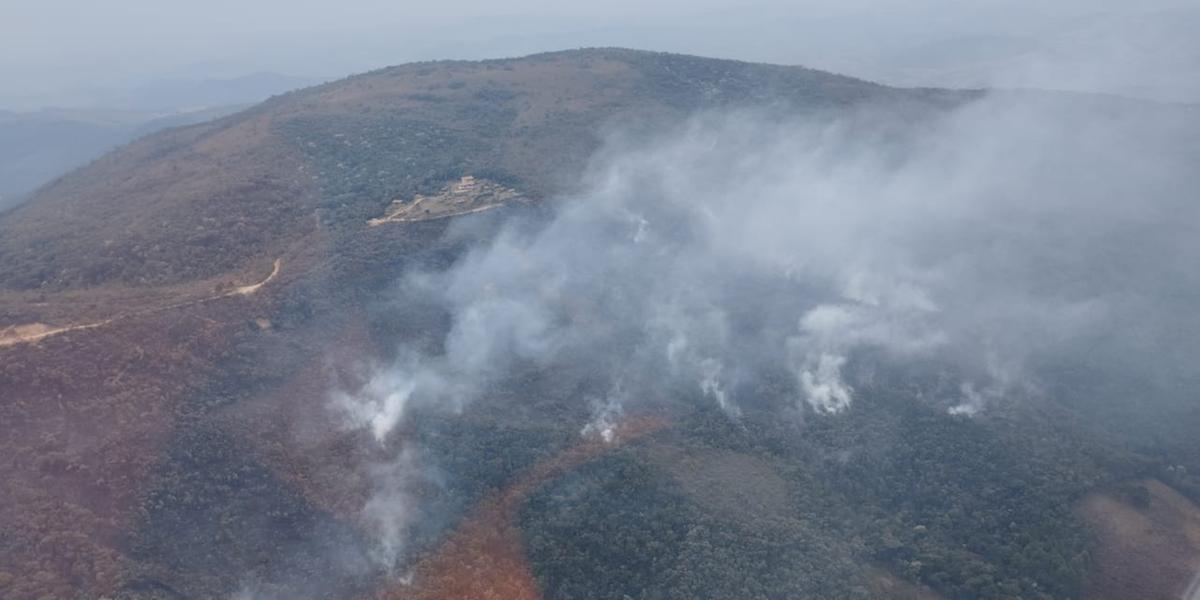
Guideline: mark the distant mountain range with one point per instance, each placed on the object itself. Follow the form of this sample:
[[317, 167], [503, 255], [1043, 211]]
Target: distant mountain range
[[37, 146], [185, 93]]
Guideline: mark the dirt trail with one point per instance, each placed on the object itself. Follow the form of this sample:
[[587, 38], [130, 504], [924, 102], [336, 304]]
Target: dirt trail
[[466, 211], [27, 334], [34, 332], [247, 290], [485, 557]]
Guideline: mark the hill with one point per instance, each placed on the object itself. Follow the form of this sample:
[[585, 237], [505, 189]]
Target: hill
[[197, 201], [40, 146], [192, 325]]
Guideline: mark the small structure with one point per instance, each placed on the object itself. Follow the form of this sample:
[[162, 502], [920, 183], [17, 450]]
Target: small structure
[[465, 185]]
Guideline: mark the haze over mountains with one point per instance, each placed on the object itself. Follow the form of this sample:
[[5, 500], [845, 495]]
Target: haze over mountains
[[1144, 49], [113, 59], [37, 146]]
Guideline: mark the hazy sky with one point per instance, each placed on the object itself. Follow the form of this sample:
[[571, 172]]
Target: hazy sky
[[67, 52]]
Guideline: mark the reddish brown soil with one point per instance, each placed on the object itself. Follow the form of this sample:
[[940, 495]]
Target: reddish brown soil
[[485, 557], [86, 415]]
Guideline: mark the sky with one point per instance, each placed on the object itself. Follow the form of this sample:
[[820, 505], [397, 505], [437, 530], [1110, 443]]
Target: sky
[[70, 53]]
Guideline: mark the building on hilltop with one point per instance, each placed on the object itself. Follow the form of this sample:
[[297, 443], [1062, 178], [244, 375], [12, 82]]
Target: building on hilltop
[[465, 185]]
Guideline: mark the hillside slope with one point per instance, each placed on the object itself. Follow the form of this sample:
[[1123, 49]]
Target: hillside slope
[[197, 201], [130, 352], [37, 147], [178, 319]]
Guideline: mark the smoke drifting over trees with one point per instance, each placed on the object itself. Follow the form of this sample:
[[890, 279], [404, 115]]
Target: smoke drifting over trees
[[1012, 237], [700, 328]]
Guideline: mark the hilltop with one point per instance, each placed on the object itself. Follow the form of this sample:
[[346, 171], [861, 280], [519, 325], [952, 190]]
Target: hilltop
[[176, 316], [194, 202]]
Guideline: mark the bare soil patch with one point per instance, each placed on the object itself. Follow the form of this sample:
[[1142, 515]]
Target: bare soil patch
[[485, 557], [1150, 552], [467, 196]]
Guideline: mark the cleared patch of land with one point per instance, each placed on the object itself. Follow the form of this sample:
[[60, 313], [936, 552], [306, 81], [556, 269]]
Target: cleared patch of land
[[485, 557], [1150, 550], [468, 195]]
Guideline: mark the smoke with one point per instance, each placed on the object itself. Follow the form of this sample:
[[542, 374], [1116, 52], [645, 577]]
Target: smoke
[[741, 245], [391, 510], [378, 405], [606, 414], [1014, 233]]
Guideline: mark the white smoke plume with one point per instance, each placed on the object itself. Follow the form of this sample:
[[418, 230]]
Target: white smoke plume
[[379, 404], [741, 244], [606, 414], [390, 511], [1010, 235]]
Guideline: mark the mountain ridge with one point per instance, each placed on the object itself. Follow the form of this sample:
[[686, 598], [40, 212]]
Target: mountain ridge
[[200, 173]]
